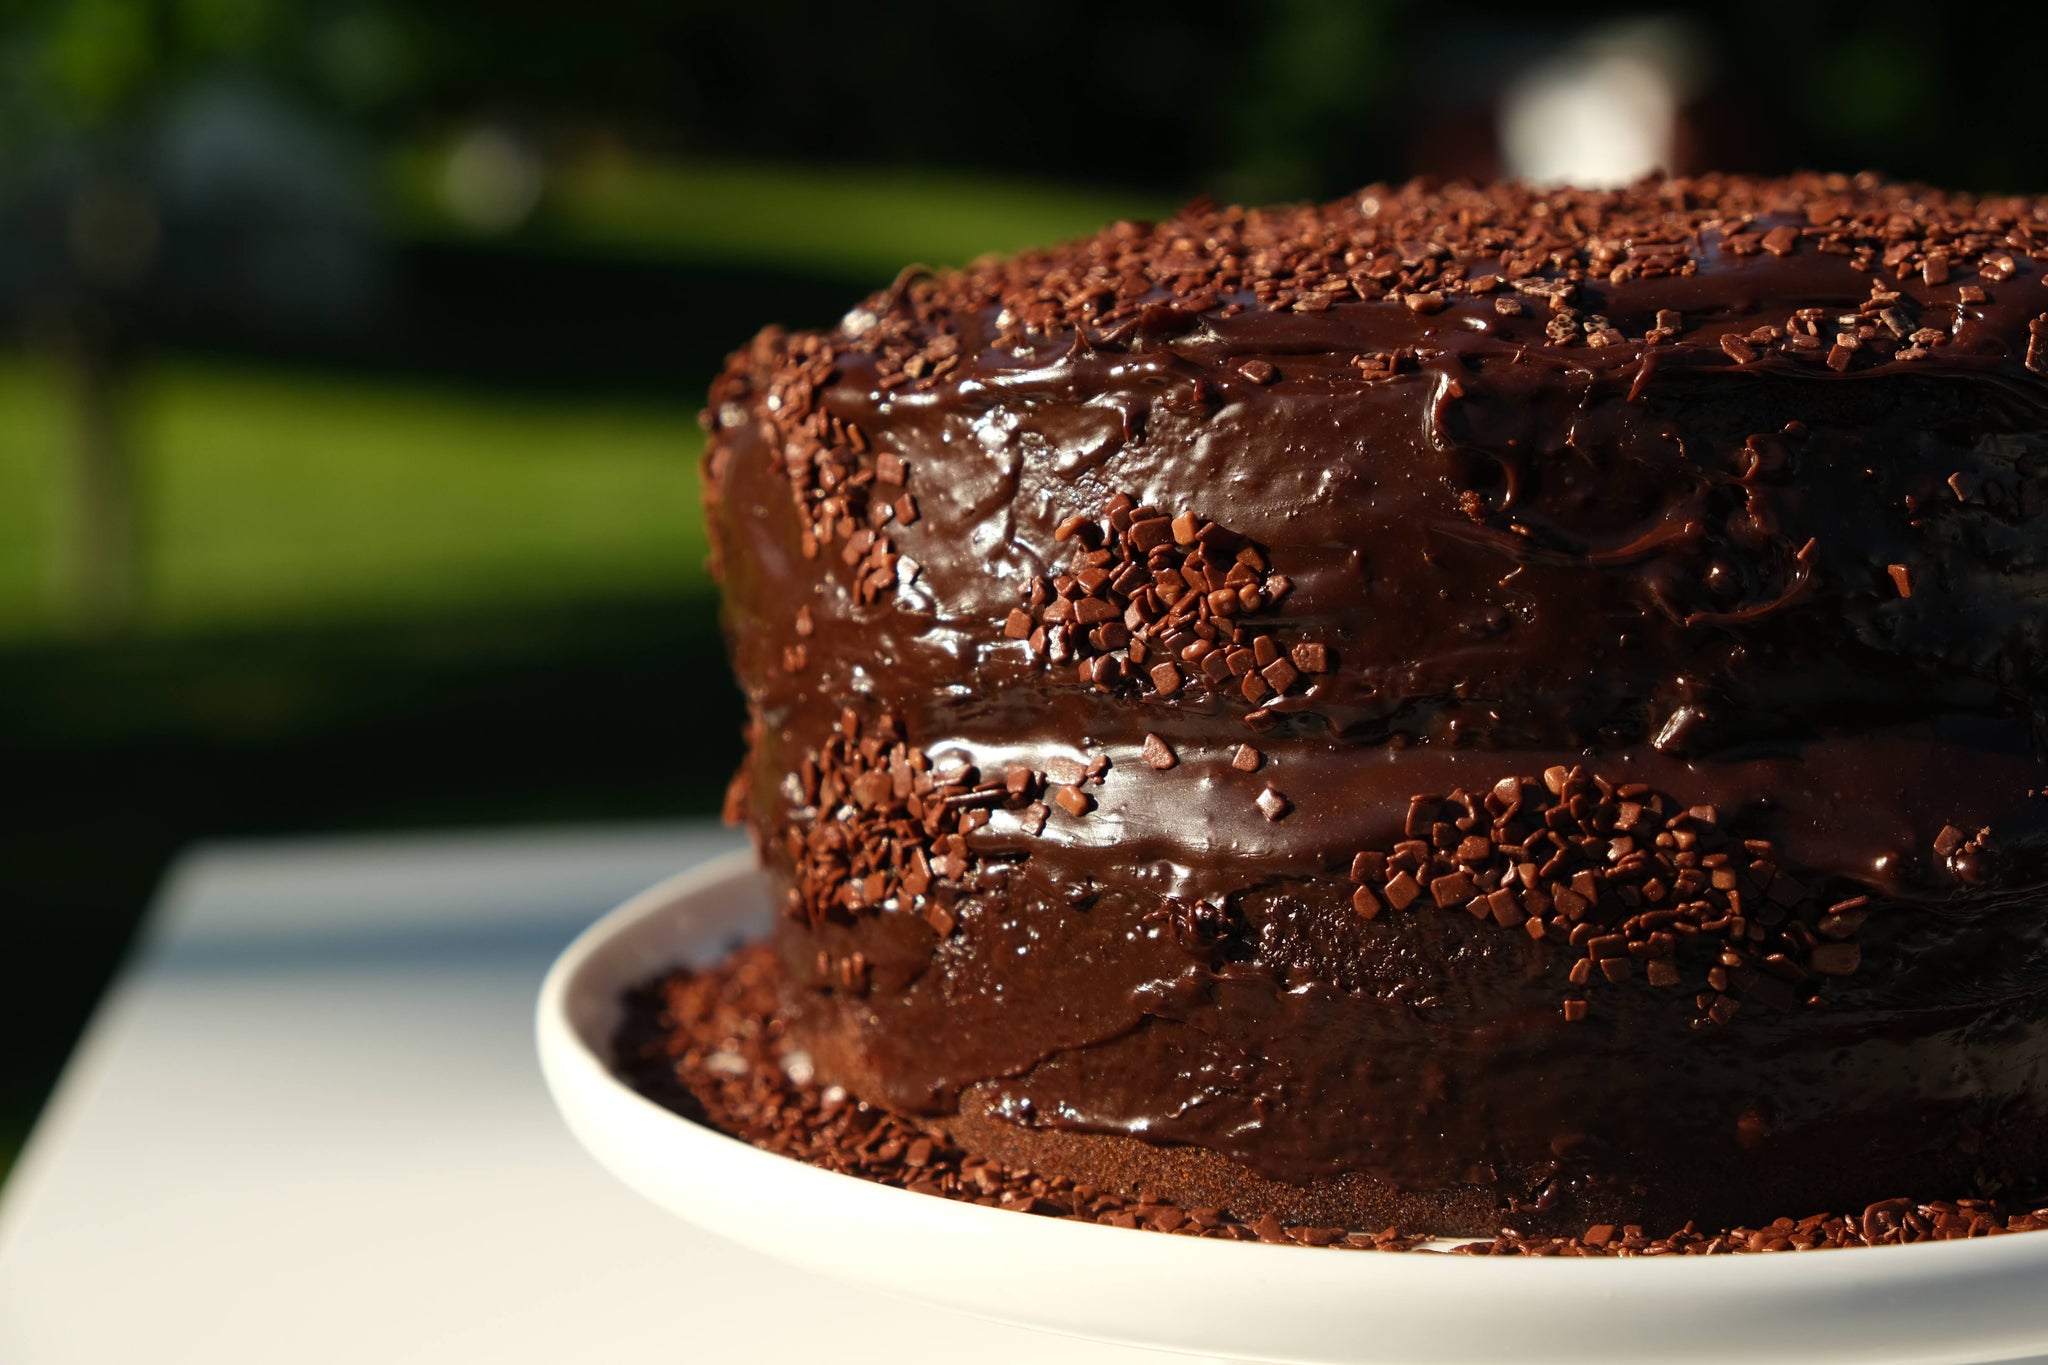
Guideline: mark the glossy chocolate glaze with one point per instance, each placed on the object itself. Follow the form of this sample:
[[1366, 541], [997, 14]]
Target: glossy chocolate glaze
[[1655, 561]]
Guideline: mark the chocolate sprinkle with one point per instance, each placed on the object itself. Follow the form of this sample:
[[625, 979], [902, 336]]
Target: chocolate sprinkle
[[1143, 584], [1620, 874], [874, 824]]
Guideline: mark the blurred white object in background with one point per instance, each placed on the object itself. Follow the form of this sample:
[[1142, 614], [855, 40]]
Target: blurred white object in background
[[1605, 110], [492, 179]]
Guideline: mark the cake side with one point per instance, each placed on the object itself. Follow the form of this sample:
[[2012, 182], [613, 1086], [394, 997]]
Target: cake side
[[1526, 745]]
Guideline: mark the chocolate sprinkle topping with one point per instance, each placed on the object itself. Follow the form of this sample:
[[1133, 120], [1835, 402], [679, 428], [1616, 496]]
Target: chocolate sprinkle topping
[[1147, 585], [881, 827], [1625, 875]]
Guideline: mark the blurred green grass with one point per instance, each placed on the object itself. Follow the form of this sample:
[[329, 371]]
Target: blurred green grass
[[289, 498], [861, 223], [276, 497], [34, 432], [866, 222]]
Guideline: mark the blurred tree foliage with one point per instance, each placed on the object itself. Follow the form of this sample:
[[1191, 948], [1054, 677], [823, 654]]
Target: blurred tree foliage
[[89, 65], [1289, 98]]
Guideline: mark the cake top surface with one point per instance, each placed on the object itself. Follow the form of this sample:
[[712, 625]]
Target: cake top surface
[[1559, 250]]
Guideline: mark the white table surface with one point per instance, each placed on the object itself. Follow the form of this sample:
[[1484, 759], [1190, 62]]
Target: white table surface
[[307, 1126]]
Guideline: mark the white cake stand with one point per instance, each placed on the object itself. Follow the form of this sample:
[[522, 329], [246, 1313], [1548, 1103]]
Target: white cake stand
[[1930, 1303]]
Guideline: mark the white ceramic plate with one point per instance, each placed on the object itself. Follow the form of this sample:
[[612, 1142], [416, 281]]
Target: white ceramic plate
[[1929, 1304]]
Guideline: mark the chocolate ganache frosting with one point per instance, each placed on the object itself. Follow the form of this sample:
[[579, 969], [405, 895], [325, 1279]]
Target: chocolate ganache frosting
[[1460, 706]]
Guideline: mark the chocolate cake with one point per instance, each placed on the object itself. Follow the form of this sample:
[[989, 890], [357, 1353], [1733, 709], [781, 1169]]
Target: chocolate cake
[[1454, 708]]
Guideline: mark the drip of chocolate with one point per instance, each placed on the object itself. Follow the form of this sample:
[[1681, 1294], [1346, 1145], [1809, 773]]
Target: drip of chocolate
[[1450, 707]]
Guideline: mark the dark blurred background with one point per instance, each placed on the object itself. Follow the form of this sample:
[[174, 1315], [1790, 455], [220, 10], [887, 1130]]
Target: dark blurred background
[[350, 350]]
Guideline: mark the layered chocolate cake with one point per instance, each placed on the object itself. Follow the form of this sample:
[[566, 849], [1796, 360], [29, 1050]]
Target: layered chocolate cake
[[1453, 708]]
